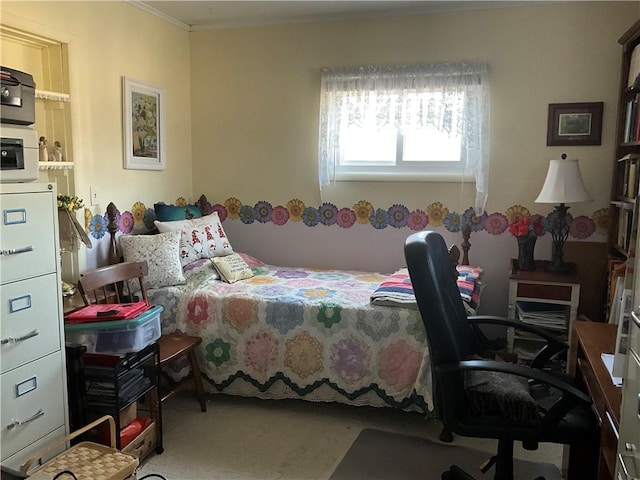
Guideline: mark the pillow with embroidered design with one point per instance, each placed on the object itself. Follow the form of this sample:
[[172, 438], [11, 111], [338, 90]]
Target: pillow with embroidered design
[[192, 246], [213, 235], [232, 268], [161, 254]]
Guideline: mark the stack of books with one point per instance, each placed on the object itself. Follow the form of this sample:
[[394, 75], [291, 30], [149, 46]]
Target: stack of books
[[545, 315], [101, 386]]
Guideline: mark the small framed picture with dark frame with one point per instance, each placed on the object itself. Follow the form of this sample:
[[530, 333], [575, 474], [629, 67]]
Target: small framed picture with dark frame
[[574, 124]]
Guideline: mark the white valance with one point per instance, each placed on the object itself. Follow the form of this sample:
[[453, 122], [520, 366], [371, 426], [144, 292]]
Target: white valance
[[403, 96]]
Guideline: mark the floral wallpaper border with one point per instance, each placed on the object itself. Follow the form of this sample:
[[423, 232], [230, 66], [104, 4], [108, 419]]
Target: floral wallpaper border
[[139, 217]]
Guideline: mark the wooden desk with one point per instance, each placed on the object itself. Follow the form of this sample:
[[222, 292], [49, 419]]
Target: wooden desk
[[588, 342]]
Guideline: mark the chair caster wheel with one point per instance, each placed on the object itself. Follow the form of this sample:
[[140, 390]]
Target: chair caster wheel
[[446, 436]]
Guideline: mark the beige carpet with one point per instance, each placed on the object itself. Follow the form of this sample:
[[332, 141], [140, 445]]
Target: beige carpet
[[380, 455], [250, 439]]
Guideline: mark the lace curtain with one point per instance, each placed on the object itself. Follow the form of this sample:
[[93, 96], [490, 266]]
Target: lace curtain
[[401, 96]]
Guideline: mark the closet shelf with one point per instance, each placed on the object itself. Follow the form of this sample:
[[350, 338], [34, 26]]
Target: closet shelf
[[55, 165], [55, 96]]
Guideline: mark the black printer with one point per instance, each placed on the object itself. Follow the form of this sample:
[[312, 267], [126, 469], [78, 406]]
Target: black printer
[[17, 92]]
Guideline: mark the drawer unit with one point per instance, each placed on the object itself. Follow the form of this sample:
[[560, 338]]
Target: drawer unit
[[557, 296], [27, 243], [31, 402], [544, 292], [26, 330], [33, 378], [629, 445], [15, 461]]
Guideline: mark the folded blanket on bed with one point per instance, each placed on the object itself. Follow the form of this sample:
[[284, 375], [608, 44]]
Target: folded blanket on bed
[[397, 290]]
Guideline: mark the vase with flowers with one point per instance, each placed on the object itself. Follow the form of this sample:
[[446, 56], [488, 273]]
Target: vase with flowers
[[527, 230]]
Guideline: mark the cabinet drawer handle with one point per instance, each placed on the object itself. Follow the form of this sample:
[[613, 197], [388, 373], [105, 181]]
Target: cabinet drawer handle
[[627, 473], [31, 334], [14, 251], [613, 425], [19, 423]]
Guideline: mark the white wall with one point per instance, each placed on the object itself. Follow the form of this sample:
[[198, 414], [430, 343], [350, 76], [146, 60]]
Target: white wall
[[242, 113], [108, 40], [255, 122]]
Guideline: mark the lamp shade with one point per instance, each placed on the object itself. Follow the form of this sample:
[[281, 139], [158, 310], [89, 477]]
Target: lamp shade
[[563, 183]]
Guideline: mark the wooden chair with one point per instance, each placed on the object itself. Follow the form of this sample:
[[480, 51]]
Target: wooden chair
[[114, 284]]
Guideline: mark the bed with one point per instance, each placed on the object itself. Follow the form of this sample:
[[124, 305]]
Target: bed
[[319, 335]]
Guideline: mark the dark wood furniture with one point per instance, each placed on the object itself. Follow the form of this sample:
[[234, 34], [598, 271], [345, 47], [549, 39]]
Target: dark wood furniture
[[113, 283], [626, 165], [588, 342], [174, 347]]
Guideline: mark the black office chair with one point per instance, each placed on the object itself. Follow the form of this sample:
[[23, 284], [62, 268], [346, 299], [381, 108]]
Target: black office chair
[[485, 398]]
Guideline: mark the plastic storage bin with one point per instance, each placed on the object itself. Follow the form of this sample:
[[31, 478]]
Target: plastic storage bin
[[117, 337]]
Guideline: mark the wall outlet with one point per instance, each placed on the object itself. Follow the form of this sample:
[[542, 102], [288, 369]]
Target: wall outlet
[[93, 196]]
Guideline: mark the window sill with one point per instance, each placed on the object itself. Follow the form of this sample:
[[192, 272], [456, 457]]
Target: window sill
[[403, 177]]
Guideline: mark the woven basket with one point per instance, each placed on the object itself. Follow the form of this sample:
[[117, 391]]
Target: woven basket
[[87, 460]]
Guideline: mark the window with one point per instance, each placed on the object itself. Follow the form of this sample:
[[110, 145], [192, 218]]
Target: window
[[405, 122]]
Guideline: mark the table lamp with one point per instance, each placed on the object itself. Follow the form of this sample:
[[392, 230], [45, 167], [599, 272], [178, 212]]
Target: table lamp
[[563, 185]]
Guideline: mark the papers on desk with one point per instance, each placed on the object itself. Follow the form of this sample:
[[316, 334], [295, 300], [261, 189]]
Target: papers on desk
[[607, 358]]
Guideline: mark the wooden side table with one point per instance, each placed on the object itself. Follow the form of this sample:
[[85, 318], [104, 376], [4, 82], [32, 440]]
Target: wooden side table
[[540, 286]]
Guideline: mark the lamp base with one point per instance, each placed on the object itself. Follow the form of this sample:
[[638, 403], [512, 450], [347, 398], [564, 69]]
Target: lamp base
[[68, 289]]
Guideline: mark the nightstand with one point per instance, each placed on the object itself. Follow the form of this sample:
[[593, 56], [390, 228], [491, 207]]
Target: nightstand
[[544, 299]]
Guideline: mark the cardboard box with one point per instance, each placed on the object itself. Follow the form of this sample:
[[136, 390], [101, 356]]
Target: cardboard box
[[144, 443], [128, 414]]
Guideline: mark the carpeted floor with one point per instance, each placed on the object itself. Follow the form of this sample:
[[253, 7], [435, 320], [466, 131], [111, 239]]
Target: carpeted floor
[[250, 439], [380, 455]]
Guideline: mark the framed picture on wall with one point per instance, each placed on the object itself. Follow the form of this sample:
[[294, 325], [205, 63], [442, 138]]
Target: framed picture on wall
[[143, 125], [574, 124]]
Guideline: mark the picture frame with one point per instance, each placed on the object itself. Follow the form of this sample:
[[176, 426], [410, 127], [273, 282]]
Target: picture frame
[[574, 124], [143, 126]]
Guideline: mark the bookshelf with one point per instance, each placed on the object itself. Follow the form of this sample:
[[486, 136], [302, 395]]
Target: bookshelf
[[625, 188]]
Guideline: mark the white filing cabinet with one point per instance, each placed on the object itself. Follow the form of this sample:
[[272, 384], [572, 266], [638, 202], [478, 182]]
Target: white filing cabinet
[[33, 388], [628, 464]]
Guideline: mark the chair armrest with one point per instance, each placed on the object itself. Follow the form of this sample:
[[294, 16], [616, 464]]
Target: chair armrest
[[552, 347], [521, 371], [570, 394]]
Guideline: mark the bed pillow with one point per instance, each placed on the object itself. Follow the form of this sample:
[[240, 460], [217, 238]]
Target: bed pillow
[[170, 213], [192, 245], [252, 261], [232, 268], [213, 234], [161, 252]]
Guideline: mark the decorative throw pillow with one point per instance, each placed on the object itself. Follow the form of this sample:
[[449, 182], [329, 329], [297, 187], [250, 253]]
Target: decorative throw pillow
[[214, 235], [232, 268], [192, 247], [161, 252], [170, 213], [492, 393]]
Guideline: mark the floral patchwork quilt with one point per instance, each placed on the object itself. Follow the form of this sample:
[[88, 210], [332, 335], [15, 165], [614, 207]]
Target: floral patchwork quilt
[[301, 333]]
